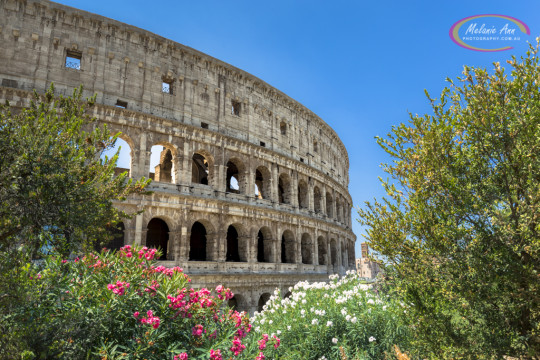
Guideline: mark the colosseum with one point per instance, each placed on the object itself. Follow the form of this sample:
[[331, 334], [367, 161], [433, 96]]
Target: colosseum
[[252, 187]]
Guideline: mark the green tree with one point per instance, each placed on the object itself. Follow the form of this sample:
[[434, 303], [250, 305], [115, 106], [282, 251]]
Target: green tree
[[459, 227], [56, 191]]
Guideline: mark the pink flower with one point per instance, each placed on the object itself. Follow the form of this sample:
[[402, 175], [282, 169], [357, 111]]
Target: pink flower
[[64, 261], [260, 356], [219, 288], [276, 344], [151, 319], [136, 314], [237, 347], [215, 355], [197, 330], [182, 356]]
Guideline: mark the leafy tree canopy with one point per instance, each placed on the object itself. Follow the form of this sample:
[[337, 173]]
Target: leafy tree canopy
[[460, 224], [56, 191]]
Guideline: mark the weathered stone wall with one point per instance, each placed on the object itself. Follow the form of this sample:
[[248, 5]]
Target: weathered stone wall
[[217, 121]]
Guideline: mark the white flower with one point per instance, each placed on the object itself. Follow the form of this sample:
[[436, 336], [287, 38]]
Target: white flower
[[353, 320], [348, 317], [278, 332], [315, 322], [329, 323], [288, 327], [334, 340], [302, 311], [370, 301], [384, 307], [372, 339], [270, 322]]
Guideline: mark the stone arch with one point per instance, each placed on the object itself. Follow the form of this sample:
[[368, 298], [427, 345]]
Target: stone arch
[[284, 189], [264, 245], [329, 205], [288, 247], [283, 128], [165, 169], [333, 252], [317, 199], [322, 250], [263, 299], [199, 244], [237, 302], [201, 168], [307, 249], [233, 244], [157, 236], [236, 178], [303, 197], [262, 183]]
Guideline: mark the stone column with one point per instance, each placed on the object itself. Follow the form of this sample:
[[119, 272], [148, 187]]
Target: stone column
[[294, 190], [311, 196], [323, 200], [274, 184], [249, 189], [185, 175], [253, 248], [183, 245], [140, 237], [173, 245], [212, 248]]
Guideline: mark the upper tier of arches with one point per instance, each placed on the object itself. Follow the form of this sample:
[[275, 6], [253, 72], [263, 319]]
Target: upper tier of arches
[[134, 69]]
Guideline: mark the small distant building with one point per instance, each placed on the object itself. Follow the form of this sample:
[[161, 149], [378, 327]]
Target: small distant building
[[365, 267]]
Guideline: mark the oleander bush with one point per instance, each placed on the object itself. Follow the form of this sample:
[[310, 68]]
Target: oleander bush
[[122, 305], [342, 319]]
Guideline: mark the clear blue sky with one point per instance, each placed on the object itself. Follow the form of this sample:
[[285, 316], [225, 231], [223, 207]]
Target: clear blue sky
[[361, 66]]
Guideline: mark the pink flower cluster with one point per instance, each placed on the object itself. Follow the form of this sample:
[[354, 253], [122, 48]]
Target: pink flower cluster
[[197, 330], [152, 289], [215, 355], [237, 347], [182, 356], [167, 271], [224, 293], [150, 319], [264, 340], [125, 251], [119, 288], [260, 356], [147, 253]]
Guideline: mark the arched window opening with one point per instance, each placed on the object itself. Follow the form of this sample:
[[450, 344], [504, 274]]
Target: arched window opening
[[333, 252], [233, 177], [262, 301], [307, 249], [197, 242], [123, 164], [260, 247], [317, 199], [199, 169], [264, 245], [321, 249], [262, 183], [233, 303], [329, 205], [232, 245], [302, 194], [284, 189], [161, 164], [157, 236], [288, 248]]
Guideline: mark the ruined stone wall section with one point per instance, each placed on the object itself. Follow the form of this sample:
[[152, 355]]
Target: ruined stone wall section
[[122, 62], [232, 119]]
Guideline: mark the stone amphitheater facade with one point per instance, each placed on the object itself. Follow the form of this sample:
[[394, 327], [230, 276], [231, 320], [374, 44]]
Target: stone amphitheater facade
[[252, 187]]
